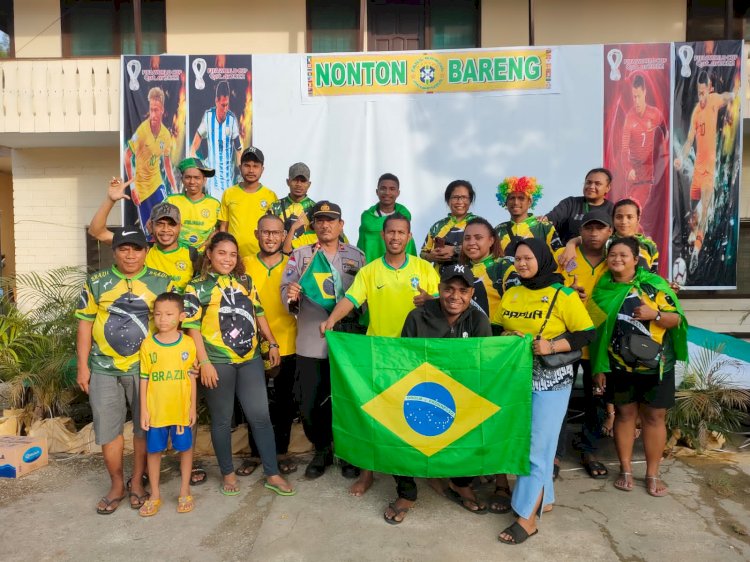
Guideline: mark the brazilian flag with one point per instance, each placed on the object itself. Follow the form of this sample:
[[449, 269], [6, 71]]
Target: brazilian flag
[[432, 408], [317, 282]]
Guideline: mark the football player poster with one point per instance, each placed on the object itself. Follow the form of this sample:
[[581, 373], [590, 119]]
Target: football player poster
[[220, 115], [637, 101], [706, 160], [152, 133]]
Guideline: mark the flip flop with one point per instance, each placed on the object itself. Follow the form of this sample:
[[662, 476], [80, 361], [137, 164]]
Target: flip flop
[[624, 487], [185, 504], [499, 499], [595, 466], [197, 472], [108, 502], [141, 499], [280, 491], [149, 508], [287, 466], [226, 492], [460, 500], [518, 534], [247, 467], [653, 492], [396, 512]]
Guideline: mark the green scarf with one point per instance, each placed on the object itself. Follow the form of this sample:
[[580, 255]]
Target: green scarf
[[606, 302], [371, 225]]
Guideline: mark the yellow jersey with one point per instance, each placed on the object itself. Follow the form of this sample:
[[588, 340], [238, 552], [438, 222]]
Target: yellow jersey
[[530, 227], [242, 210], [268, 284], [169, 391], [177, 263], [390, 292], [493, 277], [148, 152], [199, 218]]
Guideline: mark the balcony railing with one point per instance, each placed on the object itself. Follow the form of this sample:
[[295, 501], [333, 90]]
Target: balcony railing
[[59, 95]]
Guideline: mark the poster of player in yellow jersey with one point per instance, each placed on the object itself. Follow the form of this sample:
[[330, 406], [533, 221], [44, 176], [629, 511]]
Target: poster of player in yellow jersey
[[152, 131]]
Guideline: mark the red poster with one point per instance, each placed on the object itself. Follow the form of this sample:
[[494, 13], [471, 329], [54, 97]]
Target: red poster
[[637, 99]]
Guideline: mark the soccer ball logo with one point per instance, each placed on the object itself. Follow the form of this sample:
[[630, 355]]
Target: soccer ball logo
[[427, 74], [679, 271]]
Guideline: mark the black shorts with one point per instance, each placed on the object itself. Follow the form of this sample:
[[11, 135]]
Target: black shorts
[[626, 388]]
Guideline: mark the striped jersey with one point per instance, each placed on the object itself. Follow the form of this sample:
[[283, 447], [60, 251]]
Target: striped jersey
[[223, 142]]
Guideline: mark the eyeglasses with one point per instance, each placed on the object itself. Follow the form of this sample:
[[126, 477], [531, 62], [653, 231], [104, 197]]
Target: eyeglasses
[[460, 198], [272, 233]]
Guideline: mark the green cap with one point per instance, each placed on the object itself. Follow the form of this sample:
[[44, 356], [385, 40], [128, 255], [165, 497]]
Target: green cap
[[196, 163]]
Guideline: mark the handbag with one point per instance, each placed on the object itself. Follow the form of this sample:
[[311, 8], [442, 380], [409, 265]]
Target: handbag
[[556, 360], [638, 350]]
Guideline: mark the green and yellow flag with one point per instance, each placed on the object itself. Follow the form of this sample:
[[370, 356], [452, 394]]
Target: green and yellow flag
[[318, 282], [432, 408]]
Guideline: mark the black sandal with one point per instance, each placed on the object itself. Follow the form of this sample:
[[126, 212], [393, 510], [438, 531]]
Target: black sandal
[[247, 467], [499, 502], [198, 476], [396, 512], [462, 501], [517, 533], [595, 467], [287, 466], [141, 499]]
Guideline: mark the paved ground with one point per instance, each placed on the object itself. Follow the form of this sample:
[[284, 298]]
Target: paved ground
[[49, 515]]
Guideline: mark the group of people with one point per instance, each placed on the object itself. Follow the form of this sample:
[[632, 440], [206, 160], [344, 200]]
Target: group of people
[[262, 279]]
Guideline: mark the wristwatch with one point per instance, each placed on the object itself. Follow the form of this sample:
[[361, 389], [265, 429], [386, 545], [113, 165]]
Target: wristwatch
[[272, 345], [658, 316]]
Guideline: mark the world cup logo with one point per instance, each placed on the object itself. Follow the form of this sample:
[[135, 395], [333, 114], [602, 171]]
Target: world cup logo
[[614, 57], [134, 69], [685, 52], [199, 68]]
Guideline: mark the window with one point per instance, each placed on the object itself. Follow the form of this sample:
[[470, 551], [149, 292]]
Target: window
[[106, 27], [6, 29], [333, 26], [454, 24], [706, 20]]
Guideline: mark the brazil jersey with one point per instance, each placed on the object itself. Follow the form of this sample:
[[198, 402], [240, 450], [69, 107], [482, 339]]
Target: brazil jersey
[[199, 218], [448, 229], [242, 210], [268, 284], [390, 292], [649, 253], [120, 308], [177, 263], [530, 227], [493, 277], [169, 391], [524, 310], [289, 211], [149, 151], [224, 309]]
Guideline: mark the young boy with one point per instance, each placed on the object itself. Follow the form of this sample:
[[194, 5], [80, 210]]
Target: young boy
[[168, 398]]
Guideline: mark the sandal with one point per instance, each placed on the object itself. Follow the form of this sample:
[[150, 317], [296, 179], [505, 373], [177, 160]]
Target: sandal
[[140, 500], [229, 489], [198, 476], [396, 512], [594, 468], [651, 485], [279, 490], [287, 466], [185, 504], [626, 487], [517, 533], [462, 501], [107, 504], [499, 502], [149, 508], [247, 467]]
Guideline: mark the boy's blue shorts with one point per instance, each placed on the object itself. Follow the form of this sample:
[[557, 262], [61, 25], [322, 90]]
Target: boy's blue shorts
[[181, 435]]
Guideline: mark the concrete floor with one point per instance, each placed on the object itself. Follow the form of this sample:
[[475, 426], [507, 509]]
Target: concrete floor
[[49, 515]]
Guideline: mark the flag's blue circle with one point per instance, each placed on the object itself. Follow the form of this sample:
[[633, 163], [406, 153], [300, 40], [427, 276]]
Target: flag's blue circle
[[429, 409]]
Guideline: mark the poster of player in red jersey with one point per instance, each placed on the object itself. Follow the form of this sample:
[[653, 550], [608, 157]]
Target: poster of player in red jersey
[[707, 151], [637, 101]]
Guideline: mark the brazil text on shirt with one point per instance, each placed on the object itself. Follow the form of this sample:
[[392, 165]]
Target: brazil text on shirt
[[224, 309], [198, 217], [242, 210], [223, 142], [177, 263], [176, 375], [120, 309], [390, 292]]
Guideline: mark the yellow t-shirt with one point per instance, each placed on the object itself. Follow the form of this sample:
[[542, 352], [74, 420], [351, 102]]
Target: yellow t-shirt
[[389, 292], [242, 211], [177, 263], [169, 393], [587, 276], [268, 284], [524, 310], [148, 151], [199, 218]]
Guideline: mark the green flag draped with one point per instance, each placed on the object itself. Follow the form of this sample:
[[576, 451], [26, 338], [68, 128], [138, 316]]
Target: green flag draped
[[370, 227], [321, 283], [432, 408]]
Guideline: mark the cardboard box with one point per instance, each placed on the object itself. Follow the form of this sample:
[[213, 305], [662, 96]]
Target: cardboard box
[[21, 455]]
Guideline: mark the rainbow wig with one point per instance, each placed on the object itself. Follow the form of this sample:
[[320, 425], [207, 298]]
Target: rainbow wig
[[524, 184]]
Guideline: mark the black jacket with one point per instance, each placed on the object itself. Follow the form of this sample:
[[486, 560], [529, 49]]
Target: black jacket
[[428, 321]]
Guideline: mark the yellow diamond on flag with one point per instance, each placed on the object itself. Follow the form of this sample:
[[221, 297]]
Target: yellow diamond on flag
[[429, 409], [325, 285]]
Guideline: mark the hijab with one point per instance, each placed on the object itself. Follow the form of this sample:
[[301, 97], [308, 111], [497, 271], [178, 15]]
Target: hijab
[[547, 273]]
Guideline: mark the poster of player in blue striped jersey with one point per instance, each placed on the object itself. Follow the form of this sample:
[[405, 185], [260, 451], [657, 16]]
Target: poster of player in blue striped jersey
[[220, 115]]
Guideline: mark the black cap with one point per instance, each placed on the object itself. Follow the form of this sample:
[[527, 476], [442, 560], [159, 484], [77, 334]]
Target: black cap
[[597, 215], [252, 153], [326, 209], [457, 270], [129, 234]]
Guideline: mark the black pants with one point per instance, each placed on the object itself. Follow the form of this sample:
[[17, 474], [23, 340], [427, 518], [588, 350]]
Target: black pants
[[281, 405], [406, 487], [594, 412], [312, 388]]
